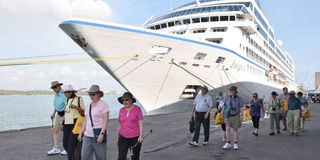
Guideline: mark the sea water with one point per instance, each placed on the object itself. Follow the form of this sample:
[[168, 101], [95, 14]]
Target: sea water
[[20, 112]]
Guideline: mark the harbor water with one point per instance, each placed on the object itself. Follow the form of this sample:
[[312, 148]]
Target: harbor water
[[20, 112]]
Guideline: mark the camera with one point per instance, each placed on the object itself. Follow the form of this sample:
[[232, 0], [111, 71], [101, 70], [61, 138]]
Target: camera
[[274, 109]]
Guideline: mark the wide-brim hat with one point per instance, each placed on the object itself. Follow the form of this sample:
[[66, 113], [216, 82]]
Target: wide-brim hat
[[292, 93], [68, 88], [55, 83], [204, 87], [95, 89], [127, 95]]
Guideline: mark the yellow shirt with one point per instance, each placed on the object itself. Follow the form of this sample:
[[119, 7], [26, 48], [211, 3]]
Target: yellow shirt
[[71, 113]]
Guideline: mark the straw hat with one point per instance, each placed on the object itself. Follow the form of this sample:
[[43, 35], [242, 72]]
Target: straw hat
[[68, 88], [127, 95], [95, 89], [55, 83]]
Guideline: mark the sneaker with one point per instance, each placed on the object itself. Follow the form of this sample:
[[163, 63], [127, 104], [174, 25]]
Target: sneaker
[[271, 134], [194, 143], [64, 152], [291, 134], [284, 129], [205, 142], [54, 151], [235, 146], [227, 146], [278, 132], [296, 134]]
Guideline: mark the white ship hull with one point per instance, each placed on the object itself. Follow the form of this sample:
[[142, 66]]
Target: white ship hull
[[158, 81]]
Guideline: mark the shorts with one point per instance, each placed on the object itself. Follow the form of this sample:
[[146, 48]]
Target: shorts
[[57, 120], [233, 122]]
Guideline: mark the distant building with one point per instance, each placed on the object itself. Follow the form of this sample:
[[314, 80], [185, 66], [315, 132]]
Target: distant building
[[317, 80]]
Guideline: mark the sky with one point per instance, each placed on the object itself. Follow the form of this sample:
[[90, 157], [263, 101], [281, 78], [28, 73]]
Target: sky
[[30, 28]]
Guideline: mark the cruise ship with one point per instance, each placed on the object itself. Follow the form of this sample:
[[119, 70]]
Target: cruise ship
[[216, 43]]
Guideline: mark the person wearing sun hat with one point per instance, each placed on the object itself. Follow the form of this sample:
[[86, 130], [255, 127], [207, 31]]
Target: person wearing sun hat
[[130, 127], [93, 132], [57, 116], [73, 109], [233, 114], [294, 112], [201, 109]]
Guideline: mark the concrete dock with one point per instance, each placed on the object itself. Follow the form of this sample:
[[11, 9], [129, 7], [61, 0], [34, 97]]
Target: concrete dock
[[170, 138]]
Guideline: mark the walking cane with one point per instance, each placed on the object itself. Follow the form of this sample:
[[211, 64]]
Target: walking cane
[[134, 146]]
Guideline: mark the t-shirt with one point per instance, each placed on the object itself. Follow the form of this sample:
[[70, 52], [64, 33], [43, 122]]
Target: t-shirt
[[97, 113], [59, 101], [233, 106], [294, 103], [71, 113], [256, 108], [203, 102], [303, 101], [129, 122]]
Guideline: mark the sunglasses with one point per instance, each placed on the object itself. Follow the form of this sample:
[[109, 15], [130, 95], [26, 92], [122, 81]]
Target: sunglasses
[[92, 94], [54, 87]]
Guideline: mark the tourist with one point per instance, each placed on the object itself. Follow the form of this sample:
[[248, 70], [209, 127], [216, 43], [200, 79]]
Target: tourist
[[256, 105], [294, 113], [130, 128], [220, 104], [304, 109], [284, 107], [233, 114], [73, 109], [201, 109], [274, 113], [57, 117], [94, 126]]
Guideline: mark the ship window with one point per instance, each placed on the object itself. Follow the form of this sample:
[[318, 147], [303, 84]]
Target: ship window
[[195, 20], [207, 66], [205, 19], [218, 29], [183, 63], [196, 65], [220, 59], [199, 31], [232, 18], [170, 24], [157, 27], [177, 23], [215, 40], [152, 27], [224, 18], [213, 19], [159, 50], [186, 21], [164, 25], [200, 56]]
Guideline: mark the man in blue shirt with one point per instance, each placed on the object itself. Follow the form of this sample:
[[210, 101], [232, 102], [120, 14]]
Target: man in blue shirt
[[57, 116], [233, 114], [304, 109], [294, 112]]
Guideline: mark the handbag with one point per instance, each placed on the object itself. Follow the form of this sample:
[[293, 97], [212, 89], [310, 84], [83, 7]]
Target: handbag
[[96, 131], [78, 124], [192, 126], [218, 119]]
